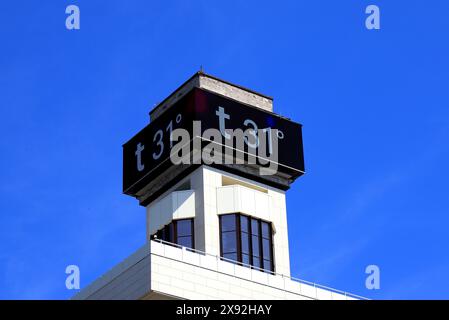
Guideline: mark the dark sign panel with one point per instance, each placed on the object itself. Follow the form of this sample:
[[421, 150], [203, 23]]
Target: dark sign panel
[[274, 141]]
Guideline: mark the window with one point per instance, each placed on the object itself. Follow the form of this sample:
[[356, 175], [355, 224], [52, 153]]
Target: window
[[184, 232], [246, 240], [229, 237], [179, 232]]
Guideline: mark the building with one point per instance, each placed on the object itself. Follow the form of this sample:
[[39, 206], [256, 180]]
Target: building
[[214, 230]]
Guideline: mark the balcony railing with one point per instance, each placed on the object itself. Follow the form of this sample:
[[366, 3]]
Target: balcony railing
[[235, 265]]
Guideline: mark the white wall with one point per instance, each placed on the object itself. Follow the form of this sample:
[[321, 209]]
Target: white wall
[[210, 199], [269, 206], [157, 270], [189, 275], [175, 205]]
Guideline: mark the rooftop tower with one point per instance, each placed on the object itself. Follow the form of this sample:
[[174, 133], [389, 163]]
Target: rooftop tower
[[211, 168]]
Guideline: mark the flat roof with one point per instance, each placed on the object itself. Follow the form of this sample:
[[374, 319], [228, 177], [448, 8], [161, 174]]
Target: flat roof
[[202, 73]]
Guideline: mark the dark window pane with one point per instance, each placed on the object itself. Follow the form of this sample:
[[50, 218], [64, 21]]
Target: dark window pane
[[266, 232], [231, 256], [244, 223], [266, 248], [245, 242], [228, 222], [267, 264], [168, 233], [254, 246], [254, 227], [246, 259], [229, 242], [164, 233], [256, 250], [185, 241], [184, 227]]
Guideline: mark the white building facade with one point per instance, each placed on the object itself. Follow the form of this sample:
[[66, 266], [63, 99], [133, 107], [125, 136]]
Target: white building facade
[[211, 234]]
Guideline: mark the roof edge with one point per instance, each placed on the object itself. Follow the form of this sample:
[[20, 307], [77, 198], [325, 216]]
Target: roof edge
[[202, 73]]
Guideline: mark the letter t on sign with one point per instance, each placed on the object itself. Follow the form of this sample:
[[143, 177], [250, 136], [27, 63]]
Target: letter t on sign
[[140, 165], [222, 116]]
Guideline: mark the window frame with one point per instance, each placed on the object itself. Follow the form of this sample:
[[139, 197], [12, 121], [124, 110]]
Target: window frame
[[249, 233], [173, 225]]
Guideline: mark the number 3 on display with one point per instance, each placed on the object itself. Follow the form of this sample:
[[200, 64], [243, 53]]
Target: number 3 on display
[[159, 135]]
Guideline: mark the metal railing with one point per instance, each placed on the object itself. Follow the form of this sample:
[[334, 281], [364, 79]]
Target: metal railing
[[268, 272]]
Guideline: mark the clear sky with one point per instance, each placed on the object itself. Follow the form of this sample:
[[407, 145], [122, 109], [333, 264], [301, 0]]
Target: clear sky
[[374, 105]]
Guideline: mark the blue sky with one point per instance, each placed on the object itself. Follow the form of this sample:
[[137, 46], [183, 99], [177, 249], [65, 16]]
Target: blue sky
[[374, 105]]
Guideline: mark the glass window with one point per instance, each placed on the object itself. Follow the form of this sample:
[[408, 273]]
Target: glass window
[[255, 227], [256, 249], [184, 227], [184, 232], [266, 250], [228, 222], [166, 233], [244, 225], [230, 256], [256, 262], [246, 240], [266, 230], [245, 235], [229, 242], [179, 232], [171, 232], [185, 241], [246, 259], [267, 246], [267, 265]]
